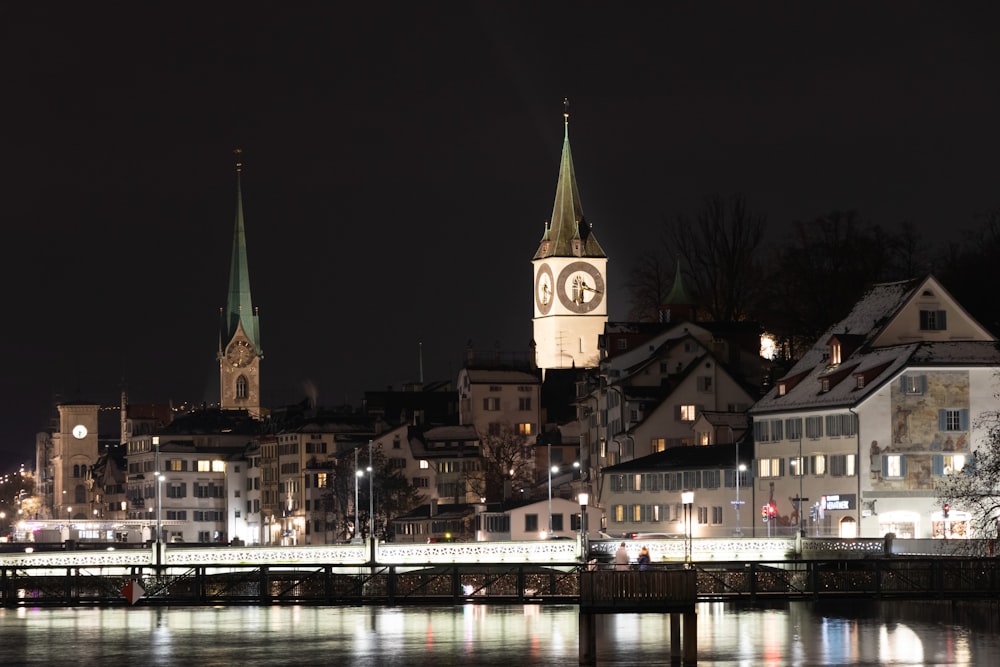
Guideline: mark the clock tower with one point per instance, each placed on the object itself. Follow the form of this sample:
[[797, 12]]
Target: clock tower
[[239, 351], [570, 279]]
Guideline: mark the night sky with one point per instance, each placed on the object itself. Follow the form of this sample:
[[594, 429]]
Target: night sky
[[401, 159]]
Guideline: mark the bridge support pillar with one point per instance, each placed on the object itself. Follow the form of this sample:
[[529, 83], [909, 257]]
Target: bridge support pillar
[[675, 639], [690, 638], [588, 638]]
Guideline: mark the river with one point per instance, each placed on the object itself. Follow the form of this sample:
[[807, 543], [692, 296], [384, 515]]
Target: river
[[795, 633]]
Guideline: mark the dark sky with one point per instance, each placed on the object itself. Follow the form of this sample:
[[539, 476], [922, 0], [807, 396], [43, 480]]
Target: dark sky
[[401, 158]]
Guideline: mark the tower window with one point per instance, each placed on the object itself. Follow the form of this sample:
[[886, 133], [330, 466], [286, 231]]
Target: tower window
[[241, 387]]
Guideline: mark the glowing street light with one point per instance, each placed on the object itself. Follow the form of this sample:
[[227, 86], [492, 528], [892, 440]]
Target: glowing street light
[[687, 499]]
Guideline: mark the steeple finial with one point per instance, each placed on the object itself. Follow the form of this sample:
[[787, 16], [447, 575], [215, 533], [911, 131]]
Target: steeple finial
[[238, 152], [566, 110]]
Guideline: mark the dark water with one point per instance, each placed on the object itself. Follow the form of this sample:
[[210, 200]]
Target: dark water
[[796, 633]]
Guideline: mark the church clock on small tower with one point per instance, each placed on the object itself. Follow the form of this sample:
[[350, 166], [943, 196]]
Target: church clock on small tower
[[239, 352]]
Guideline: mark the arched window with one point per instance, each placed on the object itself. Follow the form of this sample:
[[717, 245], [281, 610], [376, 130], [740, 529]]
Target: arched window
[[241, 387]]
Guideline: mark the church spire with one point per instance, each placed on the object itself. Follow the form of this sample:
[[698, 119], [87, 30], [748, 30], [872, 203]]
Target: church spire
[[677, 305], [568, 233], [239, 307]]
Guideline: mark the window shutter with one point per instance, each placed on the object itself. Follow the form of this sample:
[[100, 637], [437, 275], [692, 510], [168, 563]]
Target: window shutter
[[963, 419], [902, 466], [938, 465], [942, 420], [885, 465]]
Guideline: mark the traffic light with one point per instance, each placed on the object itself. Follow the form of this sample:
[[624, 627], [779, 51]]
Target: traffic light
[[764, 512], [772, 511], [945, 509]]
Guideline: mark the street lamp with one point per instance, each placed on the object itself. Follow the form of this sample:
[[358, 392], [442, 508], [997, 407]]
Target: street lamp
[[584, 499], [552, 469], [371, 494], [159, 508], [159, 525], [549, 449], [357, 476], [687, 499], [740, 467]]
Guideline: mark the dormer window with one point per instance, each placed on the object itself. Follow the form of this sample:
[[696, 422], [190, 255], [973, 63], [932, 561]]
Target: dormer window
[[834, 353], [861, 381], [824, 385], [782, 388], [933, 320]]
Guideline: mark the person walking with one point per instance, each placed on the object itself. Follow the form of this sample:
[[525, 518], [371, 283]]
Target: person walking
[[644, 559], [621, 558]]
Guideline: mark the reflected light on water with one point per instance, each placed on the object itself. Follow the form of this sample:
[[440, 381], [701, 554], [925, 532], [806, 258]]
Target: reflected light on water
[[487, 636]]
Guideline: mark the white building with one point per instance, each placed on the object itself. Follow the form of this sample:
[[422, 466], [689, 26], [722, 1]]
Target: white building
[[883, 405]]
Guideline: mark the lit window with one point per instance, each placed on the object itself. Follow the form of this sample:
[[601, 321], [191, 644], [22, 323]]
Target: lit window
[[687, 413], [424, 465], [658, 444], [819, 464], [204, 466], [524, 429], [218, 466], [894, 465]]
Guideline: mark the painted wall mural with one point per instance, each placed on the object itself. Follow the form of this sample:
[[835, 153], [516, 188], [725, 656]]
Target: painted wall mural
[[929, 435]]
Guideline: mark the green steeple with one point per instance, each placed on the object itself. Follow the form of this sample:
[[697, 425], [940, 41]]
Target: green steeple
[[568, 233], [678, 296], [239, 307]]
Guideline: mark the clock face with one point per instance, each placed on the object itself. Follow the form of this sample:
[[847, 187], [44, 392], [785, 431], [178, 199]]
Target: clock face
[[580, 287], [543, 289], [79, 431], [239, 353]]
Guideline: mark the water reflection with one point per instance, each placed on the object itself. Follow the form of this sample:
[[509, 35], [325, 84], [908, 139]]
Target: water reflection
[[486, 636]]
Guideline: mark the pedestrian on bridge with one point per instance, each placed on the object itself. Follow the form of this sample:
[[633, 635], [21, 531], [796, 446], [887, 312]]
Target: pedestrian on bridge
[[621, 558]]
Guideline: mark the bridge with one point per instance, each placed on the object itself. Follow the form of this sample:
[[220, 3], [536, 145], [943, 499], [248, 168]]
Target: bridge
[[540, 572]]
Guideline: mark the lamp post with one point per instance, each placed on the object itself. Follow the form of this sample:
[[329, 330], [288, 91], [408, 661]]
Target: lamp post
[[159, 509], [739, 471], [552, 469], [584, 549], [798, 505], [357, 477], [159, 525], [371, 494], [687, 499]]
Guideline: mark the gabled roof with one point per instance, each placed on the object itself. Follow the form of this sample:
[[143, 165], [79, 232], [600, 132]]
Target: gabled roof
[[706, 457], [500, 376], [879, 341]]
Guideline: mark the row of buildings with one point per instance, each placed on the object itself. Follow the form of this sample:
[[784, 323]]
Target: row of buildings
[[678, 427]]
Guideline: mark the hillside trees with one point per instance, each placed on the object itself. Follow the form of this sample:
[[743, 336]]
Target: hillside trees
[[719, 248]]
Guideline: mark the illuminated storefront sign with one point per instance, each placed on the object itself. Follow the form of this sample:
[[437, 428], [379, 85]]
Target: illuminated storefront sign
[[844, 501]]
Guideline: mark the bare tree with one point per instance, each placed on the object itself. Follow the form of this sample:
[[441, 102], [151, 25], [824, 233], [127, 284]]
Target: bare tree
[[506, 464], [976, 489], [718, 249], [648, 284]]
